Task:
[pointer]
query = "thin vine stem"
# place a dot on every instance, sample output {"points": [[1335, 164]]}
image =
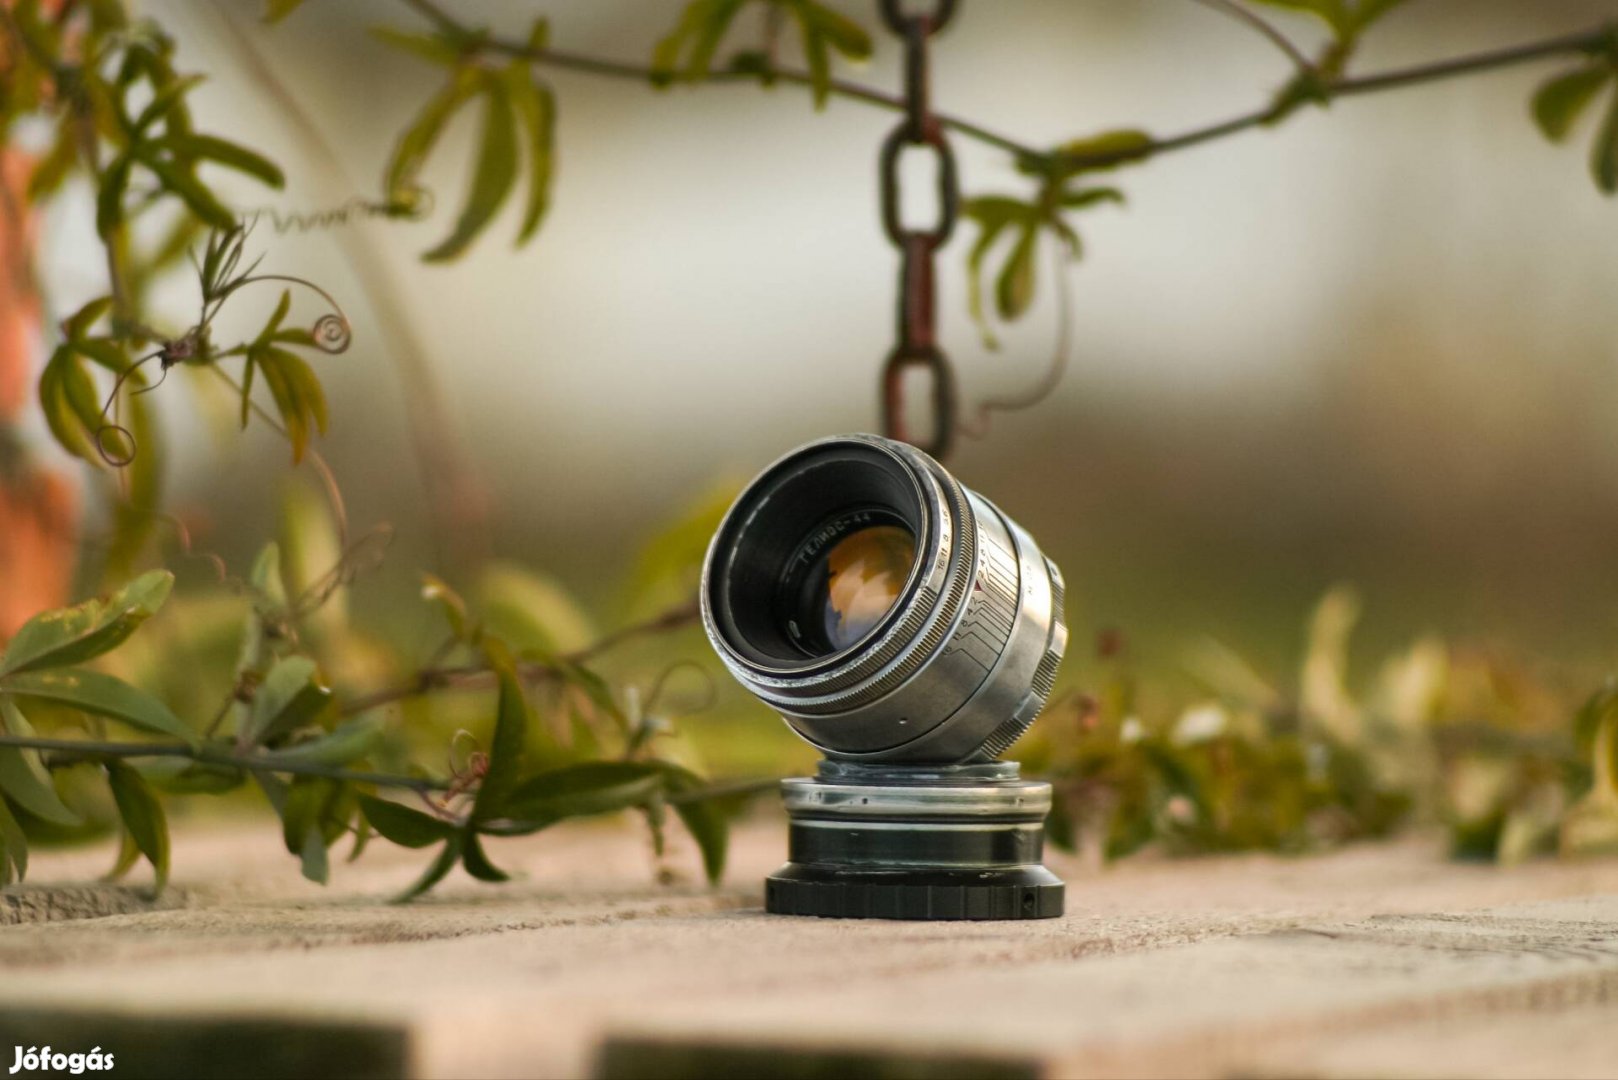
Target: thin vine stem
{"points": [[1492, 60], [594, 65], [1252, 19], [1489, 60], [439, 677], [74, 751]]}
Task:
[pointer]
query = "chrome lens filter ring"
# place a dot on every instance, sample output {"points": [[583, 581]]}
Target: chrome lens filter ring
{"points": [[961, 662]]}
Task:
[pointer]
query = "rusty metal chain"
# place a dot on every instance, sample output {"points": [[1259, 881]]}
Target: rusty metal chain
{"points": [[917, 345]]}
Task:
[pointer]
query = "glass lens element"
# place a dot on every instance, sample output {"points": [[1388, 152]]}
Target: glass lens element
{"points": [[865, 573]]}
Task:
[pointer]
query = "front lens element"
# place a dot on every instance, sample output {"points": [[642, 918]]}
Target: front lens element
{"points": [[863, 576]]}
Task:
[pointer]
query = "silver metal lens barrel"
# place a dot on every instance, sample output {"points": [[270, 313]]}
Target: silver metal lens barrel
{"points": [[963, 659]]}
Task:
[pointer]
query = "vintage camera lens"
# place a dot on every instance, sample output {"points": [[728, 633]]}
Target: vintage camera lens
{"points": [[910, 631], [888, 613]]}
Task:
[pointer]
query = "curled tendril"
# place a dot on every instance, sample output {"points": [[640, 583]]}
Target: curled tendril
{"points": [[111, 430], [332, 333], [412, 205], [106, 436], [360, 557], [710, 691], [978, 426]]}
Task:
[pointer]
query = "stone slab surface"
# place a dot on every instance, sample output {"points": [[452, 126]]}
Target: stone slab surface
{"points": [[1378, 960]]}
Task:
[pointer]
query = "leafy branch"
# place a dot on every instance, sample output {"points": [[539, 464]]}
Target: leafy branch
{"points": [[1010, 226], [307, 755]]}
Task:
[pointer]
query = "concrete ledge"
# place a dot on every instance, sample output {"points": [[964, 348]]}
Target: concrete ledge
{"points": [[1374, 959]]}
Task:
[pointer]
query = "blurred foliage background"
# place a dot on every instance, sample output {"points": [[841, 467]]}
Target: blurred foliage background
{"points": [[1374, 345]]}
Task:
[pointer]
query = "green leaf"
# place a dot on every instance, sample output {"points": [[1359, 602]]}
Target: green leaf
{"points": [[67, 396], [181, 181], [1590, 826], [1560, 101], [535, 108], [477, 863], [299, 397], [1112, 148], [305, 814], [72, 635], [110, 195], [506, 746], [428, 47], [13, 848], [493, 175], [403, 825], [348, 743], [592, 787], [314, 860], [143, 816], [23, 778], [411, 150], [128, 856], [824, 29], [993, 214], [229, 154], [445, 861], [1604, 154], [531, 610], [290, 696], [704, 819], [78, 324], [166, 100], [461, 624], [101, 694], [701, 27], [177, 776], [1082, 197], [276, 10], [1014, 288]]}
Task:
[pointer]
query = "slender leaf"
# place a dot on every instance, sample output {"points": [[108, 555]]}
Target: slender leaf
{"points": [[1014, 288], [1604, 154], [428, 47], [477, 863], [23, 778], [143, 816], [193, 192], [100, 694], [13, 848], [441, 865], [403, 825], [349, 743], [704, 819], [72, 635], [505, 748], [416, 143], [592, 787], [493, 175], [229, 154], [290, 696], [535, 108], [1113, 148], [1560, 101], [78, 324]]}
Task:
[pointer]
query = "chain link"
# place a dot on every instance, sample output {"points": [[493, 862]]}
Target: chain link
{"points": [[917, 346]]}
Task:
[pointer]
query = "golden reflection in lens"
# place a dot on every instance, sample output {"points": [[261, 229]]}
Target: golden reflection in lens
{"points": [[866, 574]]}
